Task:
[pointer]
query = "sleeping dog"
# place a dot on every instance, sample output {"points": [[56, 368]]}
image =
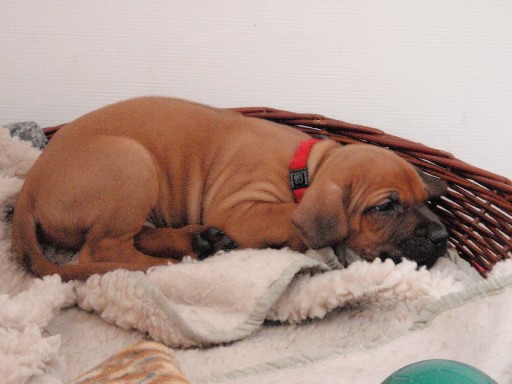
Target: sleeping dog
{"points": [[211, 179]]}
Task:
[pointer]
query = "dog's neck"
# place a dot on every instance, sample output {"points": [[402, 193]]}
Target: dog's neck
{"points": [[319, 154], [309, 155], [299, 174]]}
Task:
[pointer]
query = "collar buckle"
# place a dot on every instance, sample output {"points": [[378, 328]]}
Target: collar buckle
{"points": [[299, 179]]}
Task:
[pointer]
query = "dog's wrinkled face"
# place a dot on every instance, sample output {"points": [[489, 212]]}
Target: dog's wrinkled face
{"points": [[376, 206], [395, 229]]}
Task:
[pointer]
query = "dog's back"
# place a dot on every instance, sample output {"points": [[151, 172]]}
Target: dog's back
{"points": [[209, 153]]}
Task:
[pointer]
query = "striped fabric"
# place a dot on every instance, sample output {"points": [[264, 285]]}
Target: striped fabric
{"points": [[145, 362]]}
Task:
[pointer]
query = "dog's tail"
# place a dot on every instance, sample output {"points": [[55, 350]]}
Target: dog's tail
{"points": [[25, 241], [26, 246]]}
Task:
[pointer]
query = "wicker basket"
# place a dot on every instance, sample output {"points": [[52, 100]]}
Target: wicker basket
{"points": [[477, 209]]}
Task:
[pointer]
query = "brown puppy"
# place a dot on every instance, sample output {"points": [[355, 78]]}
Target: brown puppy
{"points": [[187, 167]]}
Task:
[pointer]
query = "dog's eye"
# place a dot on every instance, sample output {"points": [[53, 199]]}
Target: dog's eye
{"points": [[386, 206]]}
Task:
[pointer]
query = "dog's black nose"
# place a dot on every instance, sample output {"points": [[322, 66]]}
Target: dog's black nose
{"points": [[438, 234]]}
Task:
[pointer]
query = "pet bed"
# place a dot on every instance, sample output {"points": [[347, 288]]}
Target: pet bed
{"points": [[367, 311]]}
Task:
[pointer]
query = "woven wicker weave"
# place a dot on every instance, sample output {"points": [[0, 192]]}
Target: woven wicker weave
{"points": [[477, 209]]}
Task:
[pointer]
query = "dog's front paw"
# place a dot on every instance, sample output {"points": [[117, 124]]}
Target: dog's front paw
{"points": [[210, 241]]}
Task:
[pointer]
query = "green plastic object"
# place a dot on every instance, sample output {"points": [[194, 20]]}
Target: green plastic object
{"points": [[439, 372]]}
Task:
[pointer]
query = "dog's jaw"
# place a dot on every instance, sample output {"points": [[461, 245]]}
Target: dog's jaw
{"points": [[345, 255]]}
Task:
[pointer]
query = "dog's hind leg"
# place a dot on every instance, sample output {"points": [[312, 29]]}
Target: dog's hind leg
{"points": [[168, 242], [83, 271], [95, 203], [192, 240], [110, 254]]}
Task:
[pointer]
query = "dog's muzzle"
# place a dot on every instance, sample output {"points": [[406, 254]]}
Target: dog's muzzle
{"points": [[428, 243]]}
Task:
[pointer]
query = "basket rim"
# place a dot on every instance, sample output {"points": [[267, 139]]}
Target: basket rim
{"points": [[321, 122]]}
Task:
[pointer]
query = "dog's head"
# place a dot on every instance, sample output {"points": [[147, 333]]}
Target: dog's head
{"points": [[372, 201]]}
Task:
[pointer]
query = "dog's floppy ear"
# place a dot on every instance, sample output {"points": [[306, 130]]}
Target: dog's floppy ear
{"points": [[321, 216], [435, 186]]}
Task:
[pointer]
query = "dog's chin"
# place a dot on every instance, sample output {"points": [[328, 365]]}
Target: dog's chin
{"points": [[345, 255], [427, 262], [420, 250]]}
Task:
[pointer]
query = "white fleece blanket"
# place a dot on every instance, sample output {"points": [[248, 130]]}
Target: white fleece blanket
{"points": [[270, 300]]}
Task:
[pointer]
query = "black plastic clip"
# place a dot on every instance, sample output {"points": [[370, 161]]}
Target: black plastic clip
{"points": [[299, 179]]}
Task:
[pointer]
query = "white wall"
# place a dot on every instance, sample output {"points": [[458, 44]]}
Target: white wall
{"points": [[438, 72]]}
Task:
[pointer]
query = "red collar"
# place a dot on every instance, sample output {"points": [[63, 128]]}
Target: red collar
{"points": [[299, 179]]}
